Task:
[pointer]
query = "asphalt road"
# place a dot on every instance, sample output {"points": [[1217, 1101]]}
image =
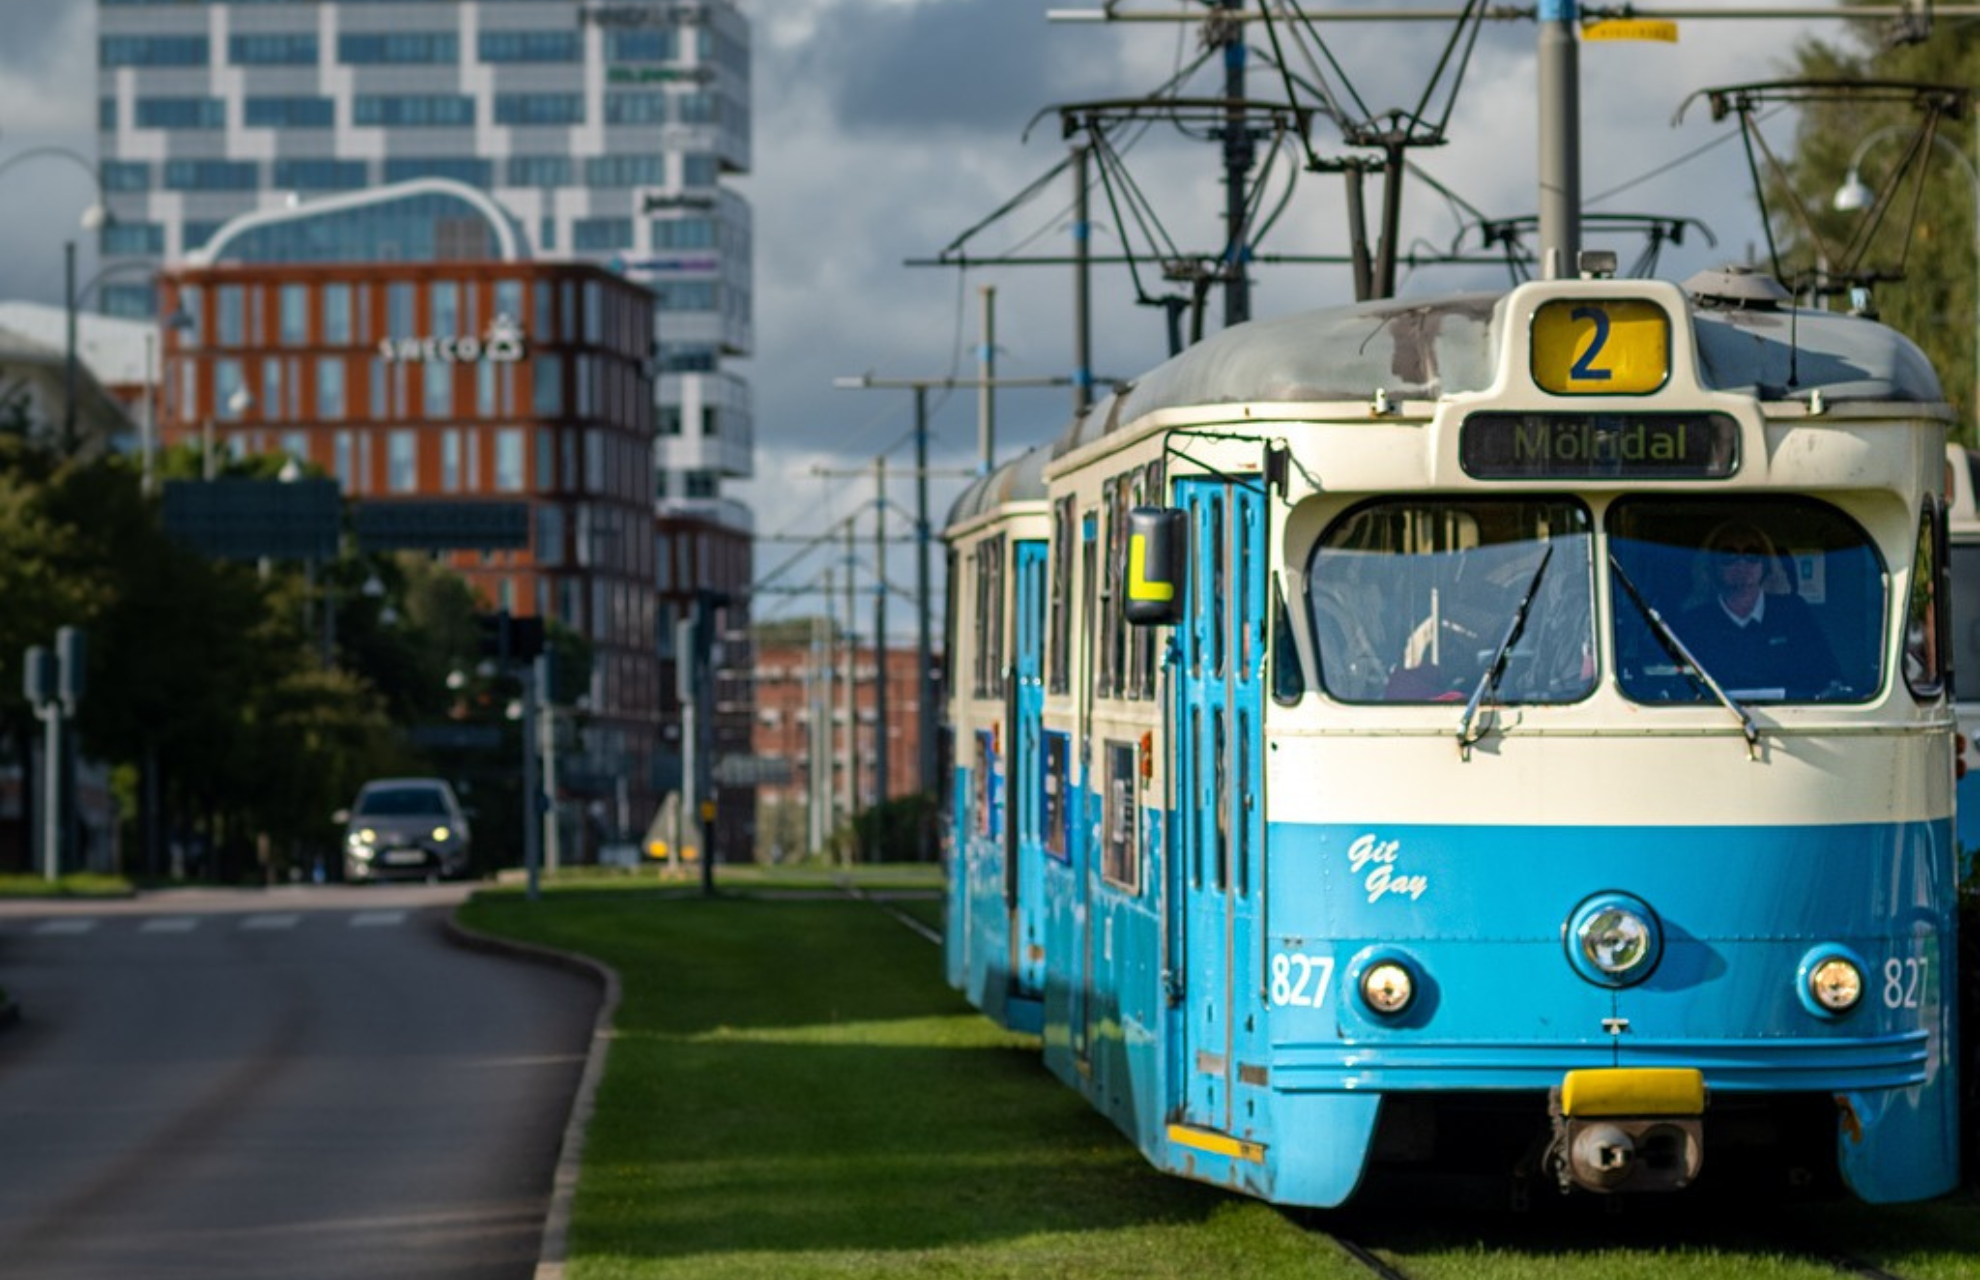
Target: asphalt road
{"points": [[281, 1085]]}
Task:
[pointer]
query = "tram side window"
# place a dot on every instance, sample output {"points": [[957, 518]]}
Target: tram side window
{"points": [[990, 618], [1058, 651], [1778, 599], [1924, 632], [1058, 777], [1412, 598], [1118, 859], [980, 785]]}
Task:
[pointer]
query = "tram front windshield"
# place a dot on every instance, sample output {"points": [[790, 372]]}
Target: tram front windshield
{"points": [[1417, 600], [1778, 600], [1420, 600]]}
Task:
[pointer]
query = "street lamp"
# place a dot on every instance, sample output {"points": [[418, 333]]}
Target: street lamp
{"points": [[1855, 196]]}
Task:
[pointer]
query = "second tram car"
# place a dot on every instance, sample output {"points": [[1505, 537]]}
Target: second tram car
{"points": [[1487, 733]]}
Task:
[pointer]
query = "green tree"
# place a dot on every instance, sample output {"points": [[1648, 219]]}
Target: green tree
{"points": [[1937, 300]]}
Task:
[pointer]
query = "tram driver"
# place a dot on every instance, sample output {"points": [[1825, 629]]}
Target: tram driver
{"points": [[1753, 632]]}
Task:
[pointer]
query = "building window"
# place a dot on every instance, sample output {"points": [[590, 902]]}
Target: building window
{"points": [[444, 302], [106, 114], [509, 460], [138, 239], [689, 295], [697, 108], [263, 112], [336, 315], [400, 110], [641, 44], [230, 301], [402, 462], [399, 309], [531, 46], [212, 175], [379, 401], [293, 324], [628, 107], [181, 113], [699, 171], [439, 379], [684, 233], [227, 385], [549, 401], [126, 175], [271, 389], [484, 389], [538, 171], [153, 51], [272, 50], [597, 235], [400, 47], [539, 108], [625, 171], [195, 232], [322, 175], [330, 388], [475, 173], [550, 536], [341, 459], [450, 460]]}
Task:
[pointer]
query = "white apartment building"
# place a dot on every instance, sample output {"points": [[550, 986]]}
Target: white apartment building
{"points": [[606, 128]]}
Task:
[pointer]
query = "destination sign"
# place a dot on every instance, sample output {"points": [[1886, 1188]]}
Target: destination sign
{"points": [[1497, 445]]}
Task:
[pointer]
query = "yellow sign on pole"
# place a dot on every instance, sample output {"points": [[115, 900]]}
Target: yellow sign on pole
{"points": [[1632, 29]]}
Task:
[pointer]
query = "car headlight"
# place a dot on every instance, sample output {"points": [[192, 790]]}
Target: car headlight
{"points": [[442, 835], [1835, 983], [364, 837], [1387, 987]]}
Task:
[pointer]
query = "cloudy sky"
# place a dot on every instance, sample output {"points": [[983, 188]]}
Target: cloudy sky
{"points": [[886, 128]]}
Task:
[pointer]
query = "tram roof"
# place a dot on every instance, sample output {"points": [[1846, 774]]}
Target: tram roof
{"points": [[1022, 479], [1422, 349]]}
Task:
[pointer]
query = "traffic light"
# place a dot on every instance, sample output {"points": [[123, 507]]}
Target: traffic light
{"points": [[506, 639]]}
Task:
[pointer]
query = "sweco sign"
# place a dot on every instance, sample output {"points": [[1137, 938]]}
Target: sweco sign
{"points": [[502, 344]]}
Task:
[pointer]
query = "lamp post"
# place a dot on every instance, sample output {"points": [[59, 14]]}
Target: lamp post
{"points": [[1854, 196]]}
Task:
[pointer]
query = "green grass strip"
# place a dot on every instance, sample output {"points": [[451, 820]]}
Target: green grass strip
{"points": [[793, 1091]]}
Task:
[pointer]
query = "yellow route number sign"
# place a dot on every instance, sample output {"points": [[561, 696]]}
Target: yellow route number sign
{"points": [[1601, 347], [1632, 29]]}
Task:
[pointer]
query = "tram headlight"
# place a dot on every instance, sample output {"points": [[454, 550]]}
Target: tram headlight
{"points": [[1387, 987], [1836, 984], [1616, 940], [1613, 939]]}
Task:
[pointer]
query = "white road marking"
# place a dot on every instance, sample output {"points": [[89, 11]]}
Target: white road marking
{"points": [[70, 927], [377, 919], [271, 922], [169, 924]]}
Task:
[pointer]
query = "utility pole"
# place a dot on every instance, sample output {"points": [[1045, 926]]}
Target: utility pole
{"points": [[1227, 28], [926, 693], [546, 727], [1082, 232], [851, 790], [532, 787], [1560, 140], [986, 384], [818, 789], [880, 762]]}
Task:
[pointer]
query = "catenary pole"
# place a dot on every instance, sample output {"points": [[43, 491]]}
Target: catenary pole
{"points": [[1560, 140]]}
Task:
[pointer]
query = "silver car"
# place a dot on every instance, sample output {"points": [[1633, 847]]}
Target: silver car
{"points": [[405, 827]]}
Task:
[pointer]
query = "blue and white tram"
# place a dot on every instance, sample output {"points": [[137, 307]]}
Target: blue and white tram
{"points": [[1491, 732]]}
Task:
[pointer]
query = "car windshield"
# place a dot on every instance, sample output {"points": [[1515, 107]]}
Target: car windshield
{"points": [[1414, 599], [402, 802], [1778, 600]]}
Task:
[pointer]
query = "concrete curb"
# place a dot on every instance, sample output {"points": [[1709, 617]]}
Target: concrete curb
{"points": [[554, 1250]]}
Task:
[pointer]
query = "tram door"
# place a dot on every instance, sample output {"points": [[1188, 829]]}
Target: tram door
{"points": [[1219, 745], [1024, 861]]}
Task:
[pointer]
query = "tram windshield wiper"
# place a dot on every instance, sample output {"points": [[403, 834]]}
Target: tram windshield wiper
{"points": [[1495, 670], [1675, 647]]}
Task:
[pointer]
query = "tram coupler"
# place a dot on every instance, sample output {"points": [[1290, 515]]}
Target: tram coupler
{"points": [[1628, 1130]]}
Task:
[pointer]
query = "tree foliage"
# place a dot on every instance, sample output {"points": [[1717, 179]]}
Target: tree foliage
{"points": [[1936, 301]]}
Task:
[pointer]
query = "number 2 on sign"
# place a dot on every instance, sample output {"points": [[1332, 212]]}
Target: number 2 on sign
{"points": [[1301, 980], [1585, 368]]}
